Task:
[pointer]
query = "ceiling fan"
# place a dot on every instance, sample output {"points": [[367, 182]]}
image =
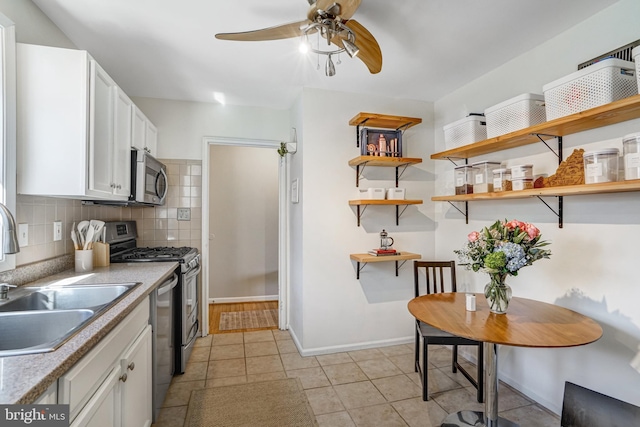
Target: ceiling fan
{"points": [[331, 20]]}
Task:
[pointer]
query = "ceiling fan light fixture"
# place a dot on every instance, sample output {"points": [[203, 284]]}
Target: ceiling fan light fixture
{"points": [[330, 68], [351, 48], [304, 46]]}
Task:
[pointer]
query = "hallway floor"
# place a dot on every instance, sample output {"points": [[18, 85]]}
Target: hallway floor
{"points": [[364, 388]]}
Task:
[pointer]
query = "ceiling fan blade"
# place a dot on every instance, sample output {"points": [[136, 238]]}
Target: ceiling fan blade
{"points": [[370, 52], [284, 31], [347, 8]]}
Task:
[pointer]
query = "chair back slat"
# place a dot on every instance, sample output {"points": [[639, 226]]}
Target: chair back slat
{"points": [[436, 278]]}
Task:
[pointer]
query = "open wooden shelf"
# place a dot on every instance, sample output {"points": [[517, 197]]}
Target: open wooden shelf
{"points": [[392, 162], [362, 202], [384, 121], [367, 258], [570, 190], [604, 115]]}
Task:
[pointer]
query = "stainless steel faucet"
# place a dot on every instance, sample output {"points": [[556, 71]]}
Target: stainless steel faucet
{"points": [[10, 234], [4, 290]]}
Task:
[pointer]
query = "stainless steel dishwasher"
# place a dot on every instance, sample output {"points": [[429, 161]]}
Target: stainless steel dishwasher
{"points": [[163, 323]]}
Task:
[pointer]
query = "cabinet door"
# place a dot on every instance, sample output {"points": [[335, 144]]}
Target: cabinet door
{"points": [[100, 131], [138, 138], [122, 145], [152, 139], [103, 409], [137, 389]]}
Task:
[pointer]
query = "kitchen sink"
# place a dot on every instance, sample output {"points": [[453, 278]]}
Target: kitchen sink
{"points": [[93, 297], [26, 332], [38, 320]]}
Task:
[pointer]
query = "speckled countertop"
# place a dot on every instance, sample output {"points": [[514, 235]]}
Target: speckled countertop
{"points": [[24, 378]]}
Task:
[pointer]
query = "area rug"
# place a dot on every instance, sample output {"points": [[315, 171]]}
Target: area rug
{"points": [[281, 403], [253, 319]]}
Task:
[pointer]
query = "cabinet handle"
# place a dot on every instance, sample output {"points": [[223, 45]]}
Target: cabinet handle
{"points": [[112, 185], [131, 366], [123, 377], [118, 186]]}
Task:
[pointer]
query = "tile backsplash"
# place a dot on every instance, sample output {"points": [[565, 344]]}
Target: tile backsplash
{"points": [[157, 226]]}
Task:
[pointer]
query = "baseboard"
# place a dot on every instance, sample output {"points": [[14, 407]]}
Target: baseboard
{"points": [[347, 347], [243, 299]]}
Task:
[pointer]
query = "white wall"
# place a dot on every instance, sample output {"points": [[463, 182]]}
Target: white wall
{"points": [[338, 311], [33, 26], [243, 217], [593, 266], [183, 124]]}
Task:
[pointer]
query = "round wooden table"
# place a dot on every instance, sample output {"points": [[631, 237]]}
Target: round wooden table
{"points": [[528, 323]]}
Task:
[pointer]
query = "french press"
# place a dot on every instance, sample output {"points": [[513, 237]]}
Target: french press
{"points": [[385, 241]]}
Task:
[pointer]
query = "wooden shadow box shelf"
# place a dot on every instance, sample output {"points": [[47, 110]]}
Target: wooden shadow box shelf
{"points": [[397, 203]]}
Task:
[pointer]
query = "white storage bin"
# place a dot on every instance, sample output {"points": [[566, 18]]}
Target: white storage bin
{"points": [[371, 193], [635, 54], [601, 165], [598, 84], [514, 114], [465, 131], [396, 193]]}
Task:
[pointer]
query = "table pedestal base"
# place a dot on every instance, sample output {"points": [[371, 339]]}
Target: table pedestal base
{"points": [[474, 418]]}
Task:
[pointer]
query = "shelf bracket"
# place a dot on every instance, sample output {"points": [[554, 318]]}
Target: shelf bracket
{"points": [[359, 269], [360, 172], [398, 267], [360, 210], [358, 126], [559, 213], [399, 213], [465, 213], [399, 174], [558, 153]]}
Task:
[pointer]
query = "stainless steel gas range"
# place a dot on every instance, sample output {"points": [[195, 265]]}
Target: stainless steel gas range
{"points": [[121, 236]]}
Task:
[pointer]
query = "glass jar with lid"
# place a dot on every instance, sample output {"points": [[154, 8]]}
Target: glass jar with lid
{"points": [[483, 176], [631, 151], [601, 165], [502, 179], [464, 179]]}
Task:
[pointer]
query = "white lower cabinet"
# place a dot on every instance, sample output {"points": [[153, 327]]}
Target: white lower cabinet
{"points": [[111, 385]]}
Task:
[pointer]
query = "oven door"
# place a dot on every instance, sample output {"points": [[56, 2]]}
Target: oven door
{"points": [[151, 180], [190, 324]]}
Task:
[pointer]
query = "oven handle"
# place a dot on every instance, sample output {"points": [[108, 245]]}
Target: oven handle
{"points": [[195, 272], [196, 325], [168, 285]]}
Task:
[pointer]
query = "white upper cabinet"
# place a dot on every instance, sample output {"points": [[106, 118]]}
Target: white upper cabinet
{"points": [[75, 126], [145, 134]]}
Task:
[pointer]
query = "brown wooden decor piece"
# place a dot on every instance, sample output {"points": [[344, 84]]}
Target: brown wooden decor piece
{"points": [[570, 172]]}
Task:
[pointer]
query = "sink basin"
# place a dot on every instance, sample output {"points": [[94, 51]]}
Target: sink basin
{"points": [[38, 320], [93, 297], [26, 332]]}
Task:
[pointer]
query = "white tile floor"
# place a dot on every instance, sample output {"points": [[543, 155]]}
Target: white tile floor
{"points": [[364, 388]]}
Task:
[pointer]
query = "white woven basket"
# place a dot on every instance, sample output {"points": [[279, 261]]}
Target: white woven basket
{"points": [[465, 131], [514, 114], [598, 84]]}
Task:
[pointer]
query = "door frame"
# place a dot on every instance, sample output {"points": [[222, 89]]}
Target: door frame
{"points": [[283, 224]]}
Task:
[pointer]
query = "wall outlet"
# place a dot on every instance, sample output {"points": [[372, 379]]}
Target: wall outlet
{"points": [[23, 235], [57, 230], [184, 214]]}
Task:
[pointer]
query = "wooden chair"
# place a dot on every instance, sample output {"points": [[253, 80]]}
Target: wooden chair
{"points": [[436, 281]]}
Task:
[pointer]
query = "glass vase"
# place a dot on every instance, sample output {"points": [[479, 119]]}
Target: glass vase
{"points": [[498, 294]]}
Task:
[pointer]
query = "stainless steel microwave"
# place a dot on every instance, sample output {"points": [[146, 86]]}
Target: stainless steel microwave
{"points": [[149, 183]]}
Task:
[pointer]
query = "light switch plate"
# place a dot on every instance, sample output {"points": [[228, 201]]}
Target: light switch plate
{"points": [[23, 235], [57, 230], [184, 214]]}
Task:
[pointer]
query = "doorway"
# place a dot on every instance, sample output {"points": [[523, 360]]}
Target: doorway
{"points": [[244, 224]]}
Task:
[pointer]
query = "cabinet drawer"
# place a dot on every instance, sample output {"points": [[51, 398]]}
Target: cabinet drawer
{"points": [[78, 385]]}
